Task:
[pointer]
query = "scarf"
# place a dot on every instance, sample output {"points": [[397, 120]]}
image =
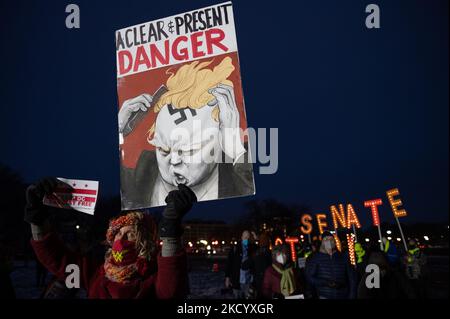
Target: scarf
{"points": [[125, 274], [287, 282]]}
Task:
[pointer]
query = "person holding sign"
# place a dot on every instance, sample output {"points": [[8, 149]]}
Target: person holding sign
{"points": [[132, 267]]}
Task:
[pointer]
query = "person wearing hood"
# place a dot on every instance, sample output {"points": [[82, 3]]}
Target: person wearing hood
{"points": [[281, 279], [393, 284], [329, 272], [133, 266]]}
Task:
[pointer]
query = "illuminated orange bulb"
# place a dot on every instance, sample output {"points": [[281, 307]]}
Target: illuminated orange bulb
{"points": [[292, 242], [351, 249], [373, 204], [351, 217], [395, 203]]}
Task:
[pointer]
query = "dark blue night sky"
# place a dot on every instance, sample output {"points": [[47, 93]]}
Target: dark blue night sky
{"points": [[359, 111]]}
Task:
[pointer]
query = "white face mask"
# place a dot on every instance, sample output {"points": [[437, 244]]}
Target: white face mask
{"points": [[329, 245], [281, 258]]}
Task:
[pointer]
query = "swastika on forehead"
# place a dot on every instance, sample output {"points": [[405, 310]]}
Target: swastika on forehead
{"points": [[182, 112]]}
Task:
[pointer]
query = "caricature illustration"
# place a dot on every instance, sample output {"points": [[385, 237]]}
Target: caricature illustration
{"points": [[183, 123]]}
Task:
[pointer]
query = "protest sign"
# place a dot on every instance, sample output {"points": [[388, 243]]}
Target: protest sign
{"points": [[181, 109], [80, 195]]}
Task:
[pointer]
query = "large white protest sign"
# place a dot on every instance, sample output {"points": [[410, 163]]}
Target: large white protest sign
{"points": [[181, 109], [80, 195]]}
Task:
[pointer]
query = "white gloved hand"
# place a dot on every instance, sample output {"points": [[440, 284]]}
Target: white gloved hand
{"points": [[141, 102], [230, 136]]}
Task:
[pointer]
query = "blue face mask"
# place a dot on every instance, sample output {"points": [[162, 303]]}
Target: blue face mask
{"points": [[245, 242]]}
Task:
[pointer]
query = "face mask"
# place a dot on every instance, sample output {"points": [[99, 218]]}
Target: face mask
{"points": [[281, 258], [123, 252], [245, 242], [328, 245]]}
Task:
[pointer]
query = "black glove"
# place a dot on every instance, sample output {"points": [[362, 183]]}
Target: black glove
{"points": [[35, 212], [179, 202]]}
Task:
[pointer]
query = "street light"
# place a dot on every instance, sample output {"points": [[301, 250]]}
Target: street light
{"points": [[388, 232], [367, 240], [426, 238]]}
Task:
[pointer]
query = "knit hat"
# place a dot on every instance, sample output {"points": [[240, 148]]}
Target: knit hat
{"points": [[133, 218]]}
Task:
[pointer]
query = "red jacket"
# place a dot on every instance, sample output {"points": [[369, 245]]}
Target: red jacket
{"points": [[271, 284], [170, 280]]}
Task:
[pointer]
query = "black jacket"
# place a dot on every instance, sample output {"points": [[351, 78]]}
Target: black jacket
{"points": [[234, 263], [262, 260], [322, 269]]}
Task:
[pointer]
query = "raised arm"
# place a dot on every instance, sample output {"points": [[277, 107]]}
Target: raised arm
{"points": [[172, 278], [49, 249]]}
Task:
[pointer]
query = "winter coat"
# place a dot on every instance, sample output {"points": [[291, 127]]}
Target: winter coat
{"points": [[321, 269], [234, 263], [169, 280], [392, 255], [271, 284], [261, 261], [415, 262]]}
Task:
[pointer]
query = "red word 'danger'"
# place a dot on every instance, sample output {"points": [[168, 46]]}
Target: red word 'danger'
{"points": [[150, 56]]}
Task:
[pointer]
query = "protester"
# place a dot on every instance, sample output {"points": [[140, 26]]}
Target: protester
{"points": [[262, 260], [330, 272], [392, 253], [132, 267], [281, 279], [415, 262], [239, 269], [315, 246], [305, 255], [307, 251], [393, 284], [361, 260]]}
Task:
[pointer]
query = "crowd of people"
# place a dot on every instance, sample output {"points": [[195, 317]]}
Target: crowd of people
{"points": [[136, 266], [257, 270]]}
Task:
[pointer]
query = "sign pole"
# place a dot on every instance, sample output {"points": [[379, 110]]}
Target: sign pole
{"points": [[354, 232], [381, 238], [401, 233]]}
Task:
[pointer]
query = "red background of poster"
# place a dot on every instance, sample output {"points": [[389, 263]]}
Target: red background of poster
{"points": [[148, 82]]}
